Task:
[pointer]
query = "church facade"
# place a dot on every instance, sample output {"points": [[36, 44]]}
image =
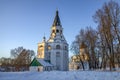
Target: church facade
{"points": [[55, 49]]}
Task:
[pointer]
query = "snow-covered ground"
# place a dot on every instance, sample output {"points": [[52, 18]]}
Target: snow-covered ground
{"points": [[61, 75]]}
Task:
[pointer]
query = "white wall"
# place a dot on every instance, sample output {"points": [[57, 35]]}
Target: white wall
{"points": [[35, 68]]}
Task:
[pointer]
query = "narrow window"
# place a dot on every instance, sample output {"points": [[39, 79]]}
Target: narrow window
{"points": [[53, 31], [57, 31], [61, 31], [57, 46], [65, 47]]}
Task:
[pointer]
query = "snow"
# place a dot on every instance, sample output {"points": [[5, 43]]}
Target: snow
{"points": [[44, 63], [61, 75]]}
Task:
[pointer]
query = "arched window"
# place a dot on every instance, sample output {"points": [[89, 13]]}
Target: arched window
{"points": [[57, 46], [65, 47], [40, 46], [49, 47], [57, 31], [53, 31]]}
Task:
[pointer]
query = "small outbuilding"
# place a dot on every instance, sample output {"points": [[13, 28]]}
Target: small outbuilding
{"points": [[40, 65]]}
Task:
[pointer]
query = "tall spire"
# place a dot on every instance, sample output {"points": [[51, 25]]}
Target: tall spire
{"points": [[56, 20]]}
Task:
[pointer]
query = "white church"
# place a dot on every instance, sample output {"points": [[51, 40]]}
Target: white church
{"points": [[53, 53]]}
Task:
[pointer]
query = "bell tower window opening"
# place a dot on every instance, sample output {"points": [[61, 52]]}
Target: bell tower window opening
{"points": [[53, 31], [57, 31], [57, 46]]}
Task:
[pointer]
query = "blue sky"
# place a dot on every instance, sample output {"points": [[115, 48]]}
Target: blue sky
{"points": [[24, 22]]}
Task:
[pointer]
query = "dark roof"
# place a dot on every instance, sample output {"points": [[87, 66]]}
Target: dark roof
{"points": [[35, 63], [56, 20]]}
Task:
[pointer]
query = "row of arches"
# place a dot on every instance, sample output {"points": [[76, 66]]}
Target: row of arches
{"points": [[57, 31], [57, 47]]}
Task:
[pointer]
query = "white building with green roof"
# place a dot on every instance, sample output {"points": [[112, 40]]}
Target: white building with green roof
{"points": [[40, 65]]}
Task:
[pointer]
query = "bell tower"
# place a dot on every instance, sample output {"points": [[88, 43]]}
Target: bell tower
{"points": [[56, 29], [55, 49], [59, 45]]}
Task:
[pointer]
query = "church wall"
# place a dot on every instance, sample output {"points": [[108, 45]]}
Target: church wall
{"points": [[62, 59], [58, 54], [36, 68]]}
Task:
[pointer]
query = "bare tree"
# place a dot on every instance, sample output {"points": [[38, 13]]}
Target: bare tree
{"points": [[89, 37], [91, 41], [15, 52], [108, 19], [103, 44], [22, 57]]}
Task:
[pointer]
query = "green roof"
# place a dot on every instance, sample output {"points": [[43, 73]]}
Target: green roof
{"points": [[35, 63]]}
